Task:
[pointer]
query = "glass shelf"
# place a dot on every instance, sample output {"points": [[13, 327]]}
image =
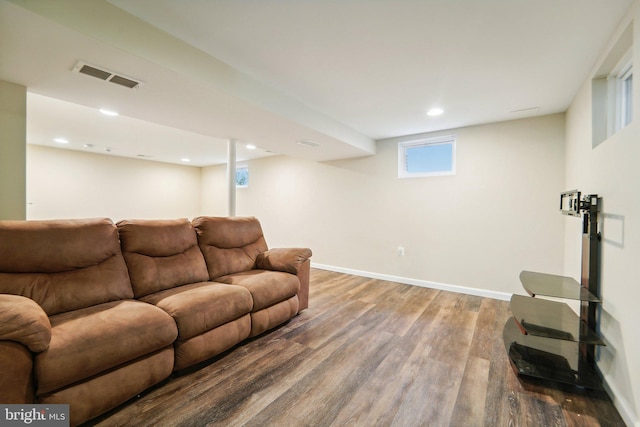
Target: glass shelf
{"points": [[543, 358], [555, 286], [551, 319]]}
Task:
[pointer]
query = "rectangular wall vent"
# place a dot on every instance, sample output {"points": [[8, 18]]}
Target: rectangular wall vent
{"points": [[108, 76], [307, 143]]}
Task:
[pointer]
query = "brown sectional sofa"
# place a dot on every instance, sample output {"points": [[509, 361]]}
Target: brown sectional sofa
{"points": [[93, 313]]}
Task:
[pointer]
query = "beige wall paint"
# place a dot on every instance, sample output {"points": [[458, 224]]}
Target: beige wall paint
{"points": [[73, 184], [213, 195], [497, 216], [612, 171], [13, 131]]}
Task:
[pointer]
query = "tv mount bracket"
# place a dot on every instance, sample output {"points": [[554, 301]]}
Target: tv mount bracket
{"points": [[572, 203], [587, 206]]}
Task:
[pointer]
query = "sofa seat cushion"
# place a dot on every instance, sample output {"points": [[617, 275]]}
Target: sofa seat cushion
{"points": [[92, 340], [200, 307], [267, 287]]}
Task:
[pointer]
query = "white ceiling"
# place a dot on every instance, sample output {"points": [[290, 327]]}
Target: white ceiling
{"points": [[273, 72]]}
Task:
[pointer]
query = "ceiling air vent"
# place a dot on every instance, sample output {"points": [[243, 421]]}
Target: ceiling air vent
{"points": [[105, 75], [307, 143]]}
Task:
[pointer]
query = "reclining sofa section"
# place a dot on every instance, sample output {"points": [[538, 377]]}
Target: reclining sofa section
{"points": [[91, 313]]}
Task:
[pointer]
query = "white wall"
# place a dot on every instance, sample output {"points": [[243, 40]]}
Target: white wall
{"points": [[213, 194], [612, 171], [497, 216], [74, 184]]}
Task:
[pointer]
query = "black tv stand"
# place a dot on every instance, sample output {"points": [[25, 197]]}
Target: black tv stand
{"points": [[546, 339]]}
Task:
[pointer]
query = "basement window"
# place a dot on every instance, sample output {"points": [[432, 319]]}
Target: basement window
{"points": [[242, 176], [427, 157], [612, 90]]}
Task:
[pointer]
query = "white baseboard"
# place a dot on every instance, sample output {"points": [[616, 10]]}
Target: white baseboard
{"points": [[417, 282], [628, 415], [621, 405]]}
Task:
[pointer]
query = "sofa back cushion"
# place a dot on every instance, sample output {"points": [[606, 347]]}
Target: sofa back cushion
{"points": [[161, 254], [229, 244], [63, 265]]}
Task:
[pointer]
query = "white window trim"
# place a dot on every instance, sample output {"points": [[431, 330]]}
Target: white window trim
{"points": [[617, 98], [622, 81], [402, 147]]}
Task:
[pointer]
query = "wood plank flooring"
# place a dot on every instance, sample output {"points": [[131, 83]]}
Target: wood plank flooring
{"points": [[369, 353]]}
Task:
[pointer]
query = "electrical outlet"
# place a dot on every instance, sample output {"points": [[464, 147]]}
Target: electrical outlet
{"points": [[400, 250]]}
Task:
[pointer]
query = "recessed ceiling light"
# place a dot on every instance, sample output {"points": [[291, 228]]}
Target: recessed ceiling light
{"points": [[250, 147], [108, 112], [435, 112], [184, 159], [61, 140], [88, 145]]}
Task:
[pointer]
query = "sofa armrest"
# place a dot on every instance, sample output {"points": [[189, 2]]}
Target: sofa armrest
{"points": [[291, 260], [16, 373], [24, 321], [288, 260]]}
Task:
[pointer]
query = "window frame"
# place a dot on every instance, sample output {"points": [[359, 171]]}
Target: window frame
{"points": [[423, 142], [620, 99], [625, 94]]}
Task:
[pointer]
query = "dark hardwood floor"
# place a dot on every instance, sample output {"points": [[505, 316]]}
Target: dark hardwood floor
{"points": [[369, 353]]}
